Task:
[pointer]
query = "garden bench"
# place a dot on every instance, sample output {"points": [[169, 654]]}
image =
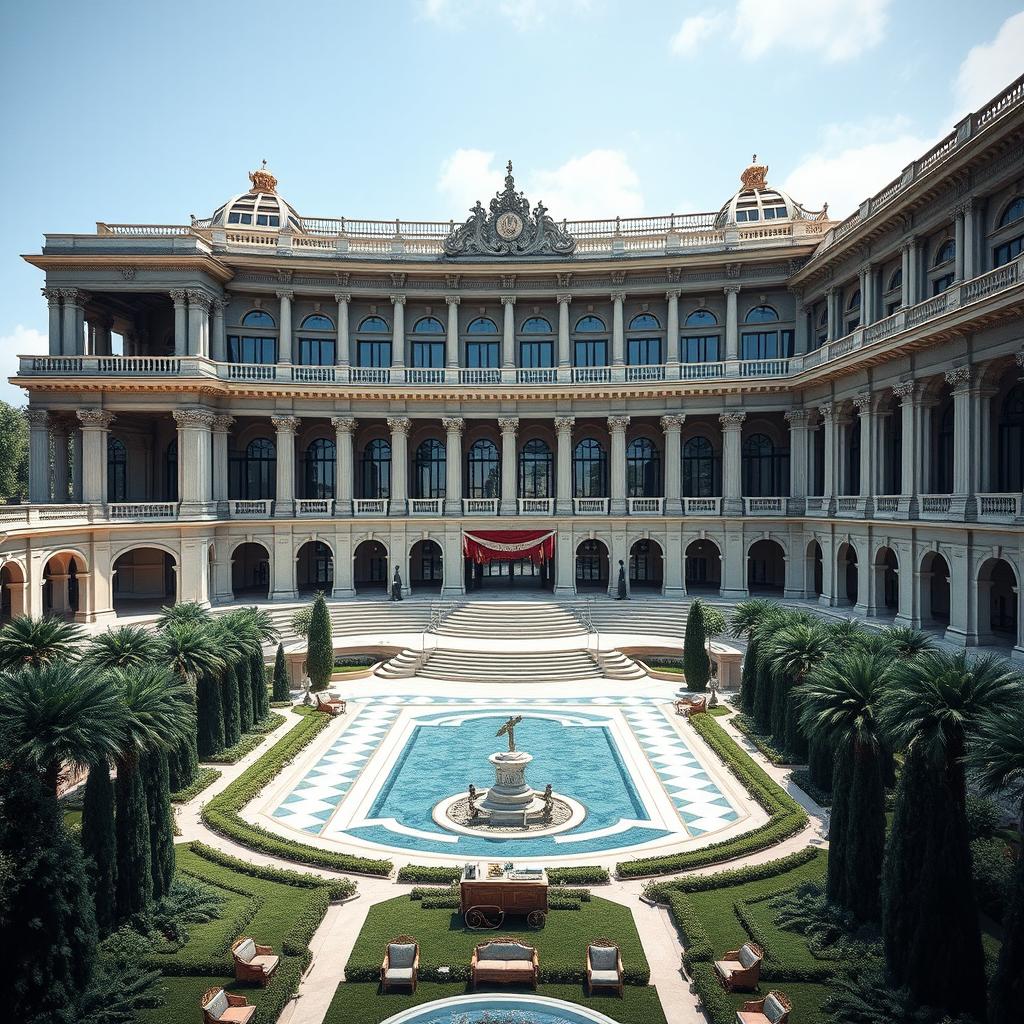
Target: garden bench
{"points": [[330, 705], [253, 962], [401, 963], [504, 961], [740, 969], [219, 1005], [604, 966], [773, 1009], [687, 706]]}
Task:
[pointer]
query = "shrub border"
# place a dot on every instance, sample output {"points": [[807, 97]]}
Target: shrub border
{"points": [[206, 776]]}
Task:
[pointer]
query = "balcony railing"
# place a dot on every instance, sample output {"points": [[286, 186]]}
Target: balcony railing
{"points": [[536, 506], [369, 375], [314, 506], [142, 510], [646, 506], [591, 374], [635, 373], [590, 506], [770, 506], [816, 505], [370, 506], [702, 506], [887, 504], [999, 506], [479, 506], [426, 506], [538, 375], [936, 506], [250, 508]]}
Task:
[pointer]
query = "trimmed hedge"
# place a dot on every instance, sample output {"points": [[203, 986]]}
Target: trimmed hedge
{"points": [[341, 888], [787, 816], [204, 777], [233, 754], [222, 812], [735, 876], [268, 724], [429, 873], [432, 874], [585, 874], [762, 741]]}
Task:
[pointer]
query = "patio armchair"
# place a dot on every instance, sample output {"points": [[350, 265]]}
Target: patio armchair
{"points": [[604, 966], [218, 1005], [739, 970], [401, 963], [330, 705], [773, 1009], [253, 962], [505, 961], [688, 706]]}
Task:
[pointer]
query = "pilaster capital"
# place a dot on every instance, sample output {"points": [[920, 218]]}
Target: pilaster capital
{"points": [[222, 423], [508, 424], [344, 424], [199, 298], [731, 289], [563, 298], [672, 294], [285, 294], [74, 295], [285, 424], [618, 424], [959, 378], [399, 425], [95, 419], [1019, 358], [508, 300], [732, 420], [564, 424], [220, 304], [906, 389], [398, 299], [343, 298], [453, 300], [827, 410], [618, 297], [797, 418], [672, 422], [862, 402], [193, 417], [453, 424], [38, 419], [52, 295], [178, 296], [865, 268]]}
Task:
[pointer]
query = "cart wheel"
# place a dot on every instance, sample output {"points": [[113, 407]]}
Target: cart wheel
{"points": [[484, 918], [536, 918]]}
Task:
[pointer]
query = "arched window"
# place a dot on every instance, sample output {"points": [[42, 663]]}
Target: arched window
{"points": [[428, 479], [765, 467], [590, 324], [317, 322], [702, 318], [699, 468], [320, 464], [258, 318], [945, 253], [535, 465], [374, 325], [702, 347], [252, 474], [482, 325], [316, 351], [483, 470], [590, 469], [171, 471], [896, 281], [761, 315], [376, 469], [428, 325], [853, 311], [643, 469], [536, 325], [854, 302], [644, 322], [373, 352], [1010, 469], [1011, 248], [590, 350], [482, 348], [1013, 212], [117, 470]]}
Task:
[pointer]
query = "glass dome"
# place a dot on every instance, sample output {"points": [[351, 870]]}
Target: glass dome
{"points": [[261, 207], [757, 202]]}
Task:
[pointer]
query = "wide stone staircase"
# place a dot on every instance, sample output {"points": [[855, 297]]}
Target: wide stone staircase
{"points": [[369, 618], [660, 618], [508, 667], [511, 620]]}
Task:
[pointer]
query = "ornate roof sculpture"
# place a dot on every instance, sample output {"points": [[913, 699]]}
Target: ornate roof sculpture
{"points": [[261, 207], [509, 228], [757, 201]]}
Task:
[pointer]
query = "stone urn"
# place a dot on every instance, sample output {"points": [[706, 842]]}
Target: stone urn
{"points": [[510, 800]]}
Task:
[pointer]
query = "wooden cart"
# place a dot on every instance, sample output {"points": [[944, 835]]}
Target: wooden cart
{"points": [[490, 892]]}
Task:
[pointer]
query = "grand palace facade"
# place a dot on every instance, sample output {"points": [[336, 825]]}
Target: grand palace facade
{"points": [[258, 404]]}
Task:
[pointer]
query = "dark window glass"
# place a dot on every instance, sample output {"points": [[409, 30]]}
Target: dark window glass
{"points": [[943, 454], [590, 469], [535, 468], [644, 351], [699, 350], [643, 469], [317, 351], [482, 355], [591, 352], [257, 318], [700, 469], [644, 322], [701, 318], [317, 322], [590, 323], [428, 479], [252, 474], [1010, 441], [320, 462], [483, 470], [428, 325], [482, 325], [376, 469], [946, 253], [374, 325], [171, 471], [765, 467], [761, 315], [940, 284], [536, 354], [117, 470], [428, 354], [536, 325], [373, 353], [1013, 212], [591, 564], [766, 344], [896, 281], [251, 350], [1002, 254]]}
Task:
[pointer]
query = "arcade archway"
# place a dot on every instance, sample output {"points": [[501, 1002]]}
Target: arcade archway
{"points": [[145, 579]]}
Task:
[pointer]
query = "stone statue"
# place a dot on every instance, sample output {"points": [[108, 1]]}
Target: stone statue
{"points": [[623, 592], [473, 810], [549, 802], [509, 730], [396, 586]]}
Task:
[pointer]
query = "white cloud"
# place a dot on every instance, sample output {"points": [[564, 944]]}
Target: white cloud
{"points": [[600, 183], [22, 341], [523, 15], [990, 67], [835, 29], [693, 32]]}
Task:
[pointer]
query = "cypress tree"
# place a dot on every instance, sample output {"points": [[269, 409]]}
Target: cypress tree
{"points": [[232, 722], [134, 854], [155, 778], [796, 742], [838, 828], [865, 839], [99, 843], [696, 664], [281, 684], [209, 716], [1006, 995], [319, 646], [183, 762], [48, 938], [781, 694], [258, 680], [764, 691], [748, 681], [245, 708], [820, 764]]}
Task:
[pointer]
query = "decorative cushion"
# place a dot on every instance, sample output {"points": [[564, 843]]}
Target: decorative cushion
{"points": [[238, 1014], [773, 1009], [246, 951], [398, 974], [604, 958], [401, 954], [217, 1005], [506, 951], [267, 962], [726, 968], [747, 956], [604, 977]]}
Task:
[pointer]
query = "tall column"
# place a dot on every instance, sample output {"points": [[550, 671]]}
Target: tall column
{"points": [[799, 458], [509, 425], [398, 332], [38, 456], [95, 428], [563, 465], [344, 429], [732, 477], [967, 444], [843, 426], [618, 331], [832, 331], [828, 484], [222, 425], [911, 272], [399, 427], [71, 335], [508, 334], [180, 321], [958, 237], [195, 457], [732, 335], [61, 460], [52, 296], [868, 442], [617, 474], [284, 503], [800, 342], [564, 350], [451, 348], [76, 465], [343, 355], [909, 395], [672, 325], [673, 428], [198, 322], [219, 341], [866, 296], [971, 233], [285, 329], [100, 328], [453, 426]]}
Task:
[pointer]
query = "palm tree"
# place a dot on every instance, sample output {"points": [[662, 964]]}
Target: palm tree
{"points": [[996, 762], [906, 643], [184, 611], [58, 715], [795, 651], [839, 704], [239, 638], [158, 717], [264, 632], [38, 642], [763, 674], [124, 647], [937, 702]]}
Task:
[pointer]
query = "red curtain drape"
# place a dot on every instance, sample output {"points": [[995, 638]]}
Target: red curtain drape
{"points": [[509, 545]]}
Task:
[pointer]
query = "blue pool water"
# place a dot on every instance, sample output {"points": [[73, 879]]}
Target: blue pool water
{"points": [[499, 1010], [580, 760]]}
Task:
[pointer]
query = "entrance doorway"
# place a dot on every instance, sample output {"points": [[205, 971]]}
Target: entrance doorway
{"points": [[509, 559]]}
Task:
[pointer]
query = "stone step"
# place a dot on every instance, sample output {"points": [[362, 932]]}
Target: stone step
{"points": [[496, 667], [616, 665], [496, 619], [401, 666]]}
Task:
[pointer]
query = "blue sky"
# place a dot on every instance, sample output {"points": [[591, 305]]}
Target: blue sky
{"points": [[146, 112]]}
